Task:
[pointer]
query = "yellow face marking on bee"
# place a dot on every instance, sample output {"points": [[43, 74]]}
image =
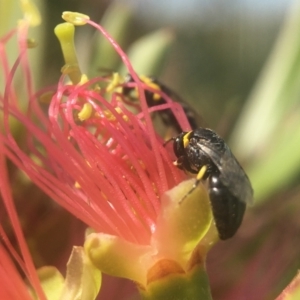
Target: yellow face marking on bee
{"points": [[186, 139]]}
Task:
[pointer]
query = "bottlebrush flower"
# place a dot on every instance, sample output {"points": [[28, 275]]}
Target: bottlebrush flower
{"points": [[103, 161]]}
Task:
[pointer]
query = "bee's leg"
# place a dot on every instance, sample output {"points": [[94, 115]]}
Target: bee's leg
{"points": [[199, 177]]}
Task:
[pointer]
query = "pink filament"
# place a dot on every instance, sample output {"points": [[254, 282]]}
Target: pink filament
{"points": [[120, 165]]}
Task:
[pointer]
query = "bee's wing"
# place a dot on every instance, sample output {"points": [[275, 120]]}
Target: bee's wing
{"points": [[232, 174]]}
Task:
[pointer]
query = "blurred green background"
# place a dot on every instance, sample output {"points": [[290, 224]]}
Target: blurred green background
{"points": [[218, 51]]}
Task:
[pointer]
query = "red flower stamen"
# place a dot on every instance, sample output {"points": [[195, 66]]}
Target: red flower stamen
{"points": [[109, 169]]}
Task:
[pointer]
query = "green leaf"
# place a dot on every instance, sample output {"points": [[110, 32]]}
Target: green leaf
{"points": [[277, 168], [116, 20], [148, 54], [275, 92]]}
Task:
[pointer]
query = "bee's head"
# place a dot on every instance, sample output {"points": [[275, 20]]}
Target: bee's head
{"points": [[178, 145]]}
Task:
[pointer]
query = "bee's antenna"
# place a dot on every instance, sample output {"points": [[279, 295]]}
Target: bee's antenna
{"points": [[169, 140]]}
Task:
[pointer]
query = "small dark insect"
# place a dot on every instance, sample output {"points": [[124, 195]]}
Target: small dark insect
{"points": [[204, 153], [153, 99]]}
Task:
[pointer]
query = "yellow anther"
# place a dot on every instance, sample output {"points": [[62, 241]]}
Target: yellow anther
{"points": [[109, 116], [145, 79], [65, 34], [119, 111], [77, 185], [186, 139], [75, 18], [119, 90], [84, 79], [85, 112], [97, 88], [156, 97], [201, 173], [149, 82], [31, 43], [31, 13], [116, 80], [154, 86]]}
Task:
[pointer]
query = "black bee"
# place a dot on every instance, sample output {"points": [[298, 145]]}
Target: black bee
{"points": [[154, 99], [204, 153]]}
